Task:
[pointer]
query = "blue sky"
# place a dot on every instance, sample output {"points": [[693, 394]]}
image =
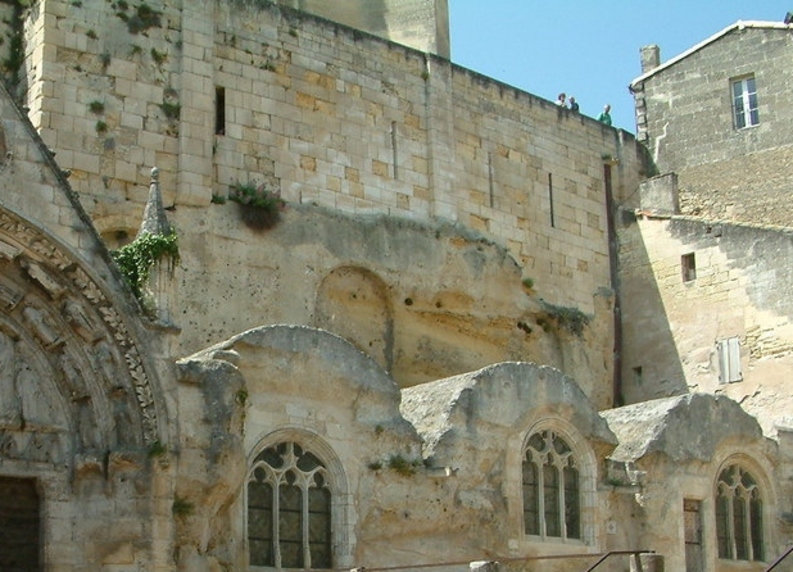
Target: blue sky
{"points": [[587, 49]]}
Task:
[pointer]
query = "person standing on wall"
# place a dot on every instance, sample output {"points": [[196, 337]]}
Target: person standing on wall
{"points": [[573, 104], [560, 101], [605, 117]]}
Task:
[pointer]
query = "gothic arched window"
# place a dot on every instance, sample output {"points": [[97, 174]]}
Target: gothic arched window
{"points": [[739, 515], [551, 491], [289, 509]]}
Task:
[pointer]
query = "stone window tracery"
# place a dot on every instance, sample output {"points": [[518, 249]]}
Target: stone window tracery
{"points": [[289, 509], [551, 490], [739, 515]]}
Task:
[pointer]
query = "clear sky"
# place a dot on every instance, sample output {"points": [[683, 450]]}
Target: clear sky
{"points": [[588, 49]]}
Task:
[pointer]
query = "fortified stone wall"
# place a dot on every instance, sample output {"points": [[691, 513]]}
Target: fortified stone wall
{"points": [[738, 288], [725, 173], [216, 94]]}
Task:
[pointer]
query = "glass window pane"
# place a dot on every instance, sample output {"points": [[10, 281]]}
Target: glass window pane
{"points": [[531, 499], [572, 507], [739, 528], [553, 525], [291, 554], [756, 508], [722, 527], [261, 552]]}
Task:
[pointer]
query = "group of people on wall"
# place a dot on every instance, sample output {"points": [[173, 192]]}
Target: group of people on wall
{"points": [[570, 103]]}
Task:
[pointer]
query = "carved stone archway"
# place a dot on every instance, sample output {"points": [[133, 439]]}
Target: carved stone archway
{"points": [[73, 380]]}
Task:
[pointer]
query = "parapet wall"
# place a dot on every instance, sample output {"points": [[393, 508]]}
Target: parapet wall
{"points": [[225, 92]]}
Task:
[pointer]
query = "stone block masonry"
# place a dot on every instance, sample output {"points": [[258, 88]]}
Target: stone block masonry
{"points": [[324, 114]]}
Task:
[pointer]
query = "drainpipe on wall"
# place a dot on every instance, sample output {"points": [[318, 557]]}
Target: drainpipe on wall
{"points": [[616, 397]]}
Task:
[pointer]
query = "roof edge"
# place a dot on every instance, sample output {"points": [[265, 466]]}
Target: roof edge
{"points": [[739, 25]]}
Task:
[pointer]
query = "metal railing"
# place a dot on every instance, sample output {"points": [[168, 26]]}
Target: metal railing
{"points": [[781, 557], [635, 553], [602, 557]]}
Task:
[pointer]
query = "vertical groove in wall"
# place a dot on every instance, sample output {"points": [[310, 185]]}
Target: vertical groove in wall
{"points": [[490, 177], [550, 198], [394, 149]]}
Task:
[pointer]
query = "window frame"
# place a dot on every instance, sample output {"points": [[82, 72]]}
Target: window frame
{"points": [[753, 522], [744, 103], [341, 504], [586, 463]]}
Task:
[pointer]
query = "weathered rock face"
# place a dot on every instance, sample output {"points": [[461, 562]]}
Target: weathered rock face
{"points": [[424, 300], [670, 460], [448, 492]]}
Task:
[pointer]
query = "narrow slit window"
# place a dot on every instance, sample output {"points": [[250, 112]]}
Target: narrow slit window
{"points": [[688, 265], [550, 198], [220, 111]]}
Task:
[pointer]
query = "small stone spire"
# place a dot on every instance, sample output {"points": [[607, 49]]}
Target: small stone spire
{"points": [[154, 220], [160, 290]]}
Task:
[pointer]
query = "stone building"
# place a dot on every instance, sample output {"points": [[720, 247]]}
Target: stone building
{"points": [[393, 334]]}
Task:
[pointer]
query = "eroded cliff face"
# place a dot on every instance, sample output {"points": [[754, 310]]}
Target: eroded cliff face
{"points": [[424, 300]]}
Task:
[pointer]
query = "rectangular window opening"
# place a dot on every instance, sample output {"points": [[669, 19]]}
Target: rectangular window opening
{"points": [[744, 102], [637, 375], [688, 266], [220, 111]]}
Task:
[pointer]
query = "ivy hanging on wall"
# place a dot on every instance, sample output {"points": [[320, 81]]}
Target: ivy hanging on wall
{"points": [[136, 258]]}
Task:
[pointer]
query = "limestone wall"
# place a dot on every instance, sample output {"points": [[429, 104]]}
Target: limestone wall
{"points": [[685, 115], [672, 326], [323, 114], [420, 24]]}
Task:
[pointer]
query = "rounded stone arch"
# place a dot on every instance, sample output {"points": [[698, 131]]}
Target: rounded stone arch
{"points": [[586, 461], [342, 503], [73, 355], [354, 303], [759, 469]]}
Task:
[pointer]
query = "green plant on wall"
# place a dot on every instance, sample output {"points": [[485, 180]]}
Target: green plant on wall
{"points": [[260, 209], [572, 320], [136, 258], [171, 110], [12, 63], [401, 466], [182, 507], [141, 19]]}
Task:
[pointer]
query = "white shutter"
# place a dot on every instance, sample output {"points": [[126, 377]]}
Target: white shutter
{"points": [[729, 356]]}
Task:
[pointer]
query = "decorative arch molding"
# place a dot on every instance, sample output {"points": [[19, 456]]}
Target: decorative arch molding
{"points": [[759, 469], [71, 371]]}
